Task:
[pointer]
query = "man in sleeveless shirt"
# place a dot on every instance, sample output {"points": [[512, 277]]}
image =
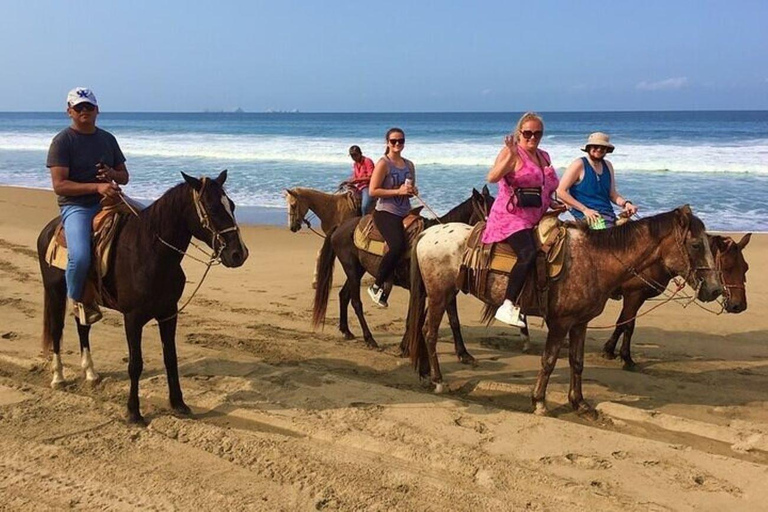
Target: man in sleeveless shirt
{"points": [[588, 186], [86, 165]]}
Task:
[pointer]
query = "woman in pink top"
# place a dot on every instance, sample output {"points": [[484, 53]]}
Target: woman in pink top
{"points": [[520, 165]]}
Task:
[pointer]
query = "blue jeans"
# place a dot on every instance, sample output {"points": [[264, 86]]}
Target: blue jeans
{"points": [[78, 224], [366, 200]]}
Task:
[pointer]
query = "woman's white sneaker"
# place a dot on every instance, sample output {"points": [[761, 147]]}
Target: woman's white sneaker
{"points": [[377, 296], [510, 314]]}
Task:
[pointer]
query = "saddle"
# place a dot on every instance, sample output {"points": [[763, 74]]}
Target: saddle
{"points": [[481, 260], [367, 237], [106, 225]]}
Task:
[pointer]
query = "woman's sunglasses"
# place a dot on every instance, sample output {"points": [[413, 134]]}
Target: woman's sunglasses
{"points": [[528, 134], [84, 106], [395, 142]]}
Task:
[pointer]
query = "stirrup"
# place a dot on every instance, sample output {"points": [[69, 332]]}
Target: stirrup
{"points": [[86, 314]]}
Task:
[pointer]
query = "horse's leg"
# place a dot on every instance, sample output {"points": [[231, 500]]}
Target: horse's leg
{"points": [[168, 337], [435, 311], [609, 349], [133, 328], [555, 338], [53, 328], [86, 362], [626, 355], [344, 298], [577, 337], [526, 335], [458, 340], [353, 278]]}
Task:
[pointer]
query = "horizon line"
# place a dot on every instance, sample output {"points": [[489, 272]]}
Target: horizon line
{"points": [[289, 112]]}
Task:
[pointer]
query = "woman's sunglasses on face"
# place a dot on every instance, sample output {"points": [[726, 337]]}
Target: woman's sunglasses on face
{"points": [[84, 106], [396, 142], [602, 149], [528, 134]]}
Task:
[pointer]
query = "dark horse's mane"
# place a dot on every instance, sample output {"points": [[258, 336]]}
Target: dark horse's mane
{"points": [[454, 215], [173, 200], [619, 237]]}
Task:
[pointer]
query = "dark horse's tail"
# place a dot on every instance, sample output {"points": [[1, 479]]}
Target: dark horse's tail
{"points": [[325, 264], [417, 346], [54, 290]]}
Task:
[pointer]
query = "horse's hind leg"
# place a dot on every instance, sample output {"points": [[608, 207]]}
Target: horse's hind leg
{"points": [[458, 340], [54, 311], [353, 279], [86, 362], [344, 298], [555, 338], [435, 311], [168, 338], [632, 304]]}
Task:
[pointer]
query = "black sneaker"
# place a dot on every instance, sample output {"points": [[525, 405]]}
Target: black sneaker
{"points": [[378, 296]]}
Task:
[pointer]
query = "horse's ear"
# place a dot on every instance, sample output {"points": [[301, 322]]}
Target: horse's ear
{"points": [[192, 182], [221, 178], [683, 215], [291, 193], [744, 241], [486, 192], [476, 195]]}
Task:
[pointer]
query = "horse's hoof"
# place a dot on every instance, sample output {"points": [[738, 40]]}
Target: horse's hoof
{"points": [[527, 349], [439, 388], [630, 365], [348, 335], [466, 358], [540, 409], [608, 355], [58, 383], [182, 409], [136, 419], [371, 343], [585, 410]]}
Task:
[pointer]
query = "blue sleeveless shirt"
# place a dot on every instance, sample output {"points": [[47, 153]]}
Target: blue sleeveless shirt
{"points": [[396, 176], [594, 191]]}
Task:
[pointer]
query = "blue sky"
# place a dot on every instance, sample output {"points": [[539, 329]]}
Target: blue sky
{"points": [[358, 56]]}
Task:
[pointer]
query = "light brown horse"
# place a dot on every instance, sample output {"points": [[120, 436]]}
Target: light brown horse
{"points": [[730, 264], [331, 209], [597, 262]]}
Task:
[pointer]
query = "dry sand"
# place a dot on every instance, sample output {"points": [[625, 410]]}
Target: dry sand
{"points": [[291, 419]]}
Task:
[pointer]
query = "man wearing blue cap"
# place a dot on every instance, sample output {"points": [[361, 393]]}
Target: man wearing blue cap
{"points": [[86, 165]]}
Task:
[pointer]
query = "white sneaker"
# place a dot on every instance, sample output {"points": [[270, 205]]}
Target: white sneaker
{"points": [[377, 295], [510, 314]]}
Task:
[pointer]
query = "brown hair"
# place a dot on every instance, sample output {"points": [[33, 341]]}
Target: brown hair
{"points": [[386, 137], [528, 116]]}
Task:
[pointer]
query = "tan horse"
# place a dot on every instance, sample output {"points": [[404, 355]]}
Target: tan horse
{"points": [[597, 262], [331, 209]]}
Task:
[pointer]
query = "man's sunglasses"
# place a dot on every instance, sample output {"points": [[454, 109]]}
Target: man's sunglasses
{"points": [[395, 142], [528, 134], [84, 106]]}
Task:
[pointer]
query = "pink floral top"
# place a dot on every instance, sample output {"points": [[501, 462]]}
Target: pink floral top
{"points": [[506, 217]]}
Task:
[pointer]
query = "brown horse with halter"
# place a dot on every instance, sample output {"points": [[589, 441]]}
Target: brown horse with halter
{"points": [[145, 278], [596, 263], [730, 265], [356, 262], [331, 209]]}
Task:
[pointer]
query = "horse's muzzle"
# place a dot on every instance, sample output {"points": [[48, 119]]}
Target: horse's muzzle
{"points": [[708, 293], [735, 307], [235, 257]]}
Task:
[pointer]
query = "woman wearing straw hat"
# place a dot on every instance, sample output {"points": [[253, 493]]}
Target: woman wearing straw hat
{"points": [[588, 186]]}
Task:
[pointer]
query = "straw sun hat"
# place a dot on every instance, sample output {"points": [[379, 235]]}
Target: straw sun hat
{"points": [[599, 139]]}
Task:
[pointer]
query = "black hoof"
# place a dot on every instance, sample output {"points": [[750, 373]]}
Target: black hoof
{"points": [[608, 355], [466, 358], [136, 419], [348, 335], [630, 366], [584, 410], [182, 409]]}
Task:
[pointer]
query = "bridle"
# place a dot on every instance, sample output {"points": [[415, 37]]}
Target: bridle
{"points": [[293, 215]]}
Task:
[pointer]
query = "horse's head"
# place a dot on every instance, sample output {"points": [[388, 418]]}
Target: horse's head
{"points": [[215, 222], [730, 263], [692, 257], [481, 205], [297, 209]]}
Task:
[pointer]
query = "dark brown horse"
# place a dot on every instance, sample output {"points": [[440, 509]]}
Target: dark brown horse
{"points": [[597, 262], [730, 264], [356, 262], [146, 278]]}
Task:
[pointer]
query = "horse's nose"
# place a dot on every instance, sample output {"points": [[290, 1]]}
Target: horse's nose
{"points": [[736, 307]]}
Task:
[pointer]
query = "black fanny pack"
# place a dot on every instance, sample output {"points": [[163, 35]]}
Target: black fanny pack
{"points": [[528, 197]]}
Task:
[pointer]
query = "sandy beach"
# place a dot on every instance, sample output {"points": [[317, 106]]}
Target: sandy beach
{"points": [[286, 418]]}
